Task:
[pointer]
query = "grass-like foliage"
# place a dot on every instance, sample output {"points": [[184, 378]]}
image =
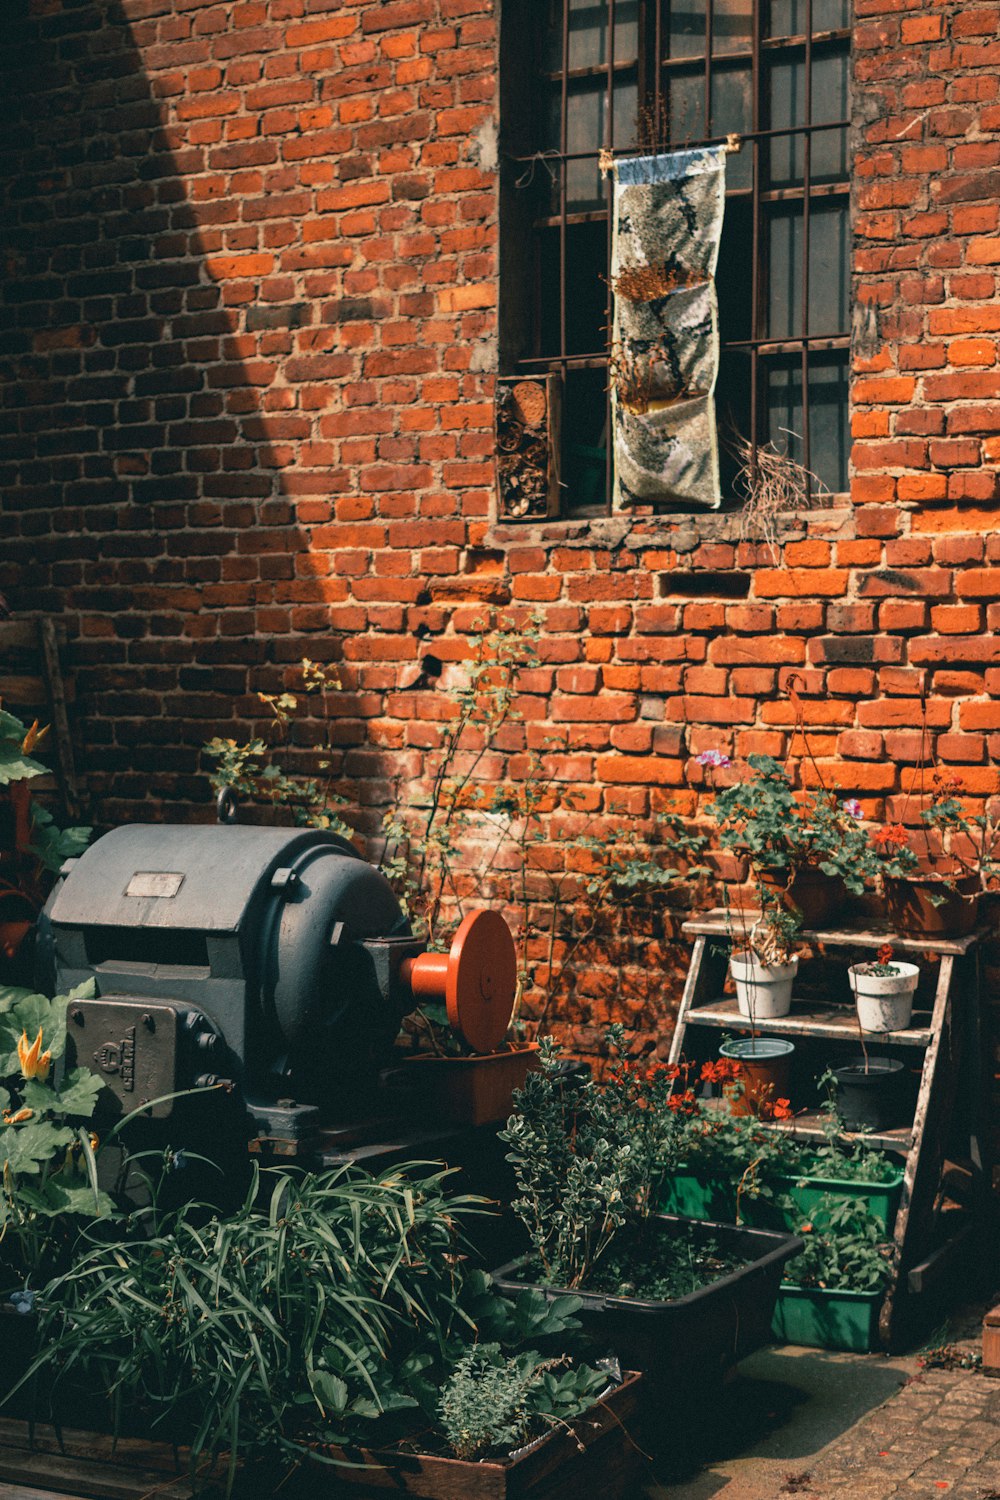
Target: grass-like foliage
{"points": [[242, 1336], [331, 1310]]}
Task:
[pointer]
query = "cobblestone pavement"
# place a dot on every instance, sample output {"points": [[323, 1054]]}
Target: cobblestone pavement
{"points": [[939, 1435], [821, 1426]]}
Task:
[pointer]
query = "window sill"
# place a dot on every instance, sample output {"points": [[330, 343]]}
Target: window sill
{"points": [[681, 532]]}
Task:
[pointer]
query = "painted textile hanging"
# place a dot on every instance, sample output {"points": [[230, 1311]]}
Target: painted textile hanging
{"points": [[665, 357]]}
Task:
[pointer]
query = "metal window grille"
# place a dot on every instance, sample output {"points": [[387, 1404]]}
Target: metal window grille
{"points": [[619, 75]]}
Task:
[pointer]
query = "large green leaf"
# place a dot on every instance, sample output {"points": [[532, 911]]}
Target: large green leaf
{"points": [[25, 1148], [77, 1095], [66, 1195]]}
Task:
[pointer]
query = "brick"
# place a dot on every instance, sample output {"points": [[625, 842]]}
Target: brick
{"points": [[773, 583]]}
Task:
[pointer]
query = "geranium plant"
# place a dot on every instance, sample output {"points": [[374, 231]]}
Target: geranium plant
{"points": [[973, 840], [779, 829]]}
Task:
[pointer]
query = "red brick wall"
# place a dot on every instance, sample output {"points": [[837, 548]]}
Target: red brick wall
{"points": [[249, 330]]}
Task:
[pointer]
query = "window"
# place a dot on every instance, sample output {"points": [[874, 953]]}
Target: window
{"points": [[582, 75]]}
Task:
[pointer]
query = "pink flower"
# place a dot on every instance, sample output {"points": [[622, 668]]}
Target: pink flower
{"points": [[713, 758], [853, 808]]}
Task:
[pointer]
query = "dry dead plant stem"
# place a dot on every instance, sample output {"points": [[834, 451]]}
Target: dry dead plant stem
{"points": [[772, 482]]}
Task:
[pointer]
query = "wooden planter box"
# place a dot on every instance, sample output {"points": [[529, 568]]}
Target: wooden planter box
{"points": [[599, 1459]]}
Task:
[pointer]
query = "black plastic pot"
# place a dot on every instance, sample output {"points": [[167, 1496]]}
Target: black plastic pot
{"points": [[691, 1341], [872, 1098]]}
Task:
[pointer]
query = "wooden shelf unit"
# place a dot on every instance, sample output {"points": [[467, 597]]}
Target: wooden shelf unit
{"points": [[947, 1042]]}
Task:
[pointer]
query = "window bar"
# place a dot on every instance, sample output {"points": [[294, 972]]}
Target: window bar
{"points": [[755, 281], [658, 73], [715, 140], [609, 141], [709, 43], [806, 226], [563, 175]]}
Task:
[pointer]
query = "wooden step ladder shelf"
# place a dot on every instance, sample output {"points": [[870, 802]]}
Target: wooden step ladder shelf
{"points": [[949, 1115]]}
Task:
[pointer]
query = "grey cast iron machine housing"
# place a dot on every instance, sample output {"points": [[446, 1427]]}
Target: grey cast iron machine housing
{"points": [[275, 961]]}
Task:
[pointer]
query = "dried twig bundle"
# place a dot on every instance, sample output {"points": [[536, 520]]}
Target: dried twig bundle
{"points": [[772, 482]]}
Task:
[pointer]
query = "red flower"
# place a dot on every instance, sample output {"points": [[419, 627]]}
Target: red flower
{"points": [[685, 1103], [885, 954], [892, 836]]}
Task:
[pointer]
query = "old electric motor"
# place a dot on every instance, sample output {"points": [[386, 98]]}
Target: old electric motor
{"points": [[277, 959]]}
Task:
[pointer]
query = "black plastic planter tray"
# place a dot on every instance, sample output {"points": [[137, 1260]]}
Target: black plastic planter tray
{"points": [[692, 1340]]}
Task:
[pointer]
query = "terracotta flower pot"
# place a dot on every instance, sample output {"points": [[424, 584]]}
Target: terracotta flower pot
{"points": [[765, 1070], [815, 896], [925, 906], [468, 1090]]}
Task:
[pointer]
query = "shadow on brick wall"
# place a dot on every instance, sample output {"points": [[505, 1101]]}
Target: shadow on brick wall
{"points": [[140, 448]]}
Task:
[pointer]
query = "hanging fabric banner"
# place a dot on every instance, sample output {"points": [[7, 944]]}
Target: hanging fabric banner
{"points": [[665, 343]]}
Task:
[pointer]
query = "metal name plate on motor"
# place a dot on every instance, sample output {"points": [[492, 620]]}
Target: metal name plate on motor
{"points": [[131, 1045], [160, 883]]}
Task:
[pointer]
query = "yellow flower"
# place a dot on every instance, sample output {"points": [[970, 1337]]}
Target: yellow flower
{"points": [[33, 738], [34, 1062]]}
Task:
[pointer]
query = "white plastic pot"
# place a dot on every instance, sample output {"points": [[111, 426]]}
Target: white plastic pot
{"points": [[763, 991], [884, 1001]]}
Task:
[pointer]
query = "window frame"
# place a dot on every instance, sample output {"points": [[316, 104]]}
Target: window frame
{"points": [[520, 323]]}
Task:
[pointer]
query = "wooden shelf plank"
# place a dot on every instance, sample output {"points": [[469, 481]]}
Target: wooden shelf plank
{"points": [[835, 1022], [809, 1127], [718, 924]]}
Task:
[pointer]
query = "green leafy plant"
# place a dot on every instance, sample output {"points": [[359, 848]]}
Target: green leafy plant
{"points": [[778, 829], [749, 1160], [770, 937], [973, 839], [33, 847], [493, 1403], [471, 833], [47, 1144], [843, 1250], [588, 1158], [331, 1310], [251, 768]]}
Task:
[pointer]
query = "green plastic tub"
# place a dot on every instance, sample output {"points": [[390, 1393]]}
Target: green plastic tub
{"points": [[882, 1198], [827, 1320], [696, 1197]]}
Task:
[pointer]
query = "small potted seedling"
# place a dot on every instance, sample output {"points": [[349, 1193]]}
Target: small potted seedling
{"points": [[883, 990]]}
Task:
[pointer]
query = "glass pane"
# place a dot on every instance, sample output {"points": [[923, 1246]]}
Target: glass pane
{"points": [[788, 107], [585, 427], [686, 29], [589, 33], [586, 289], [732, 26], [829, 263], [785, 273], [732, 106], [789, 17], [685, 102], [828, 435], [828, 269], [733, 277], [586, 114]]}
